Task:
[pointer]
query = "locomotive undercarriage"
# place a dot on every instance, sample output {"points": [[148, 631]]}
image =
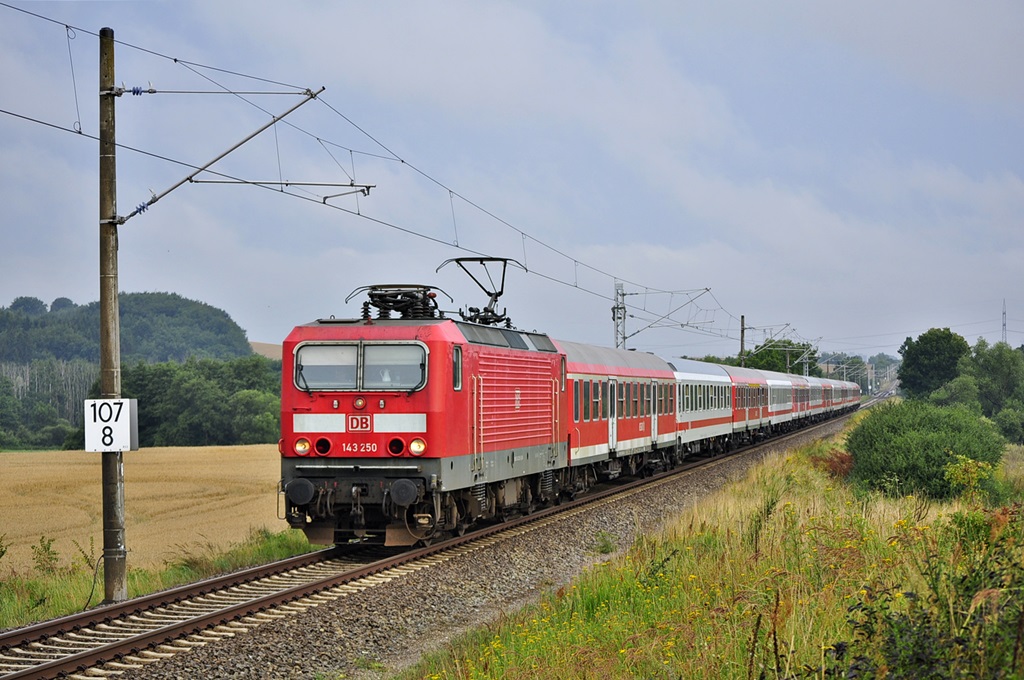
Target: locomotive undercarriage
{"points": [[406, 505], [365, 505]]}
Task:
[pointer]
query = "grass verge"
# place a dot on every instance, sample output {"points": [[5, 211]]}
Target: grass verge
{"points": [[789, 573], [59, 586]]}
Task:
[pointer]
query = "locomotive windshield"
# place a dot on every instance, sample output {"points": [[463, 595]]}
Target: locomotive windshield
{"points": [[363, 366]]}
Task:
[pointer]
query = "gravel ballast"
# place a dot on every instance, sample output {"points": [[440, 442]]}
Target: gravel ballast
{"points": [[376, 632]]}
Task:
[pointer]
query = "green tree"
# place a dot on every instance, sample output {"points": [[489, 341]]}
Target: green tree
{"points": [[1011, 421], [961, 390], [930, 361], [998, 370], [882, 361], [206, 401], [255, 417], [154, 327], [29, 306], [10, 414], [782, 356], [61, 304]]}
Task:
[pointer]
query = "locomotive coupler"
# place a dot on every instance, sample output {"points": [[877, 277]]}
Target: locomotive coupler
{"points": [[356, 514]]}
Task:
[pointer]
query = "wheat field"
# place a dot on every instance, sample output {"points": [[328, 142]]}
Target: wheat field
{"points": [[178, 500]]}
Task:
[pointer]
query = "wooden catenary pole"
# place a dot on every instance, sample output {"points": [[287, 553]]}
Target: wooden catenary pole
{"points": [[114, 551]]}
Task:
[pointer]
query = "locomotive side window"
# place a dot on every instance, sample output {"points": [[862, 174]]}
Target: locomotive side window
{"points": [[457, 368], [326, 367]]}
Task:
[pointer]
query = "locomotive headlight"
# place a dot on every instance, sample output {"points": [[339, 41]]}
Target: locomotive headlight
{"points": [[417, 447], [302, 446], [359, 403]]}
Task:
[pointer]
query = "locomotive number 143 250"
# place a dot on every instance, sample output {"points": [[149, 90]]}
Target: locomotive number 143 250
{"points": [[359, 447]]}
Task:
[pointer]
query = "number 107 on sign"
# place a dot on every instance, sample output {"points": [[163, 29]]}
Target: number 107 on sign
{"points": [[111, 425]]}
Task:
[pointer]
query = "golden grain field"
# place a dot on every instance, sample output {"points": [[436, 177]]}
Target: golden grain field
{"points": [[177, 500]]}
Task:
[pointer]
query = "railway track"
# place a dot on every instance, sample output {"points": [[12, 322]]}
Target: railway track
{"points": [[142, 631]]}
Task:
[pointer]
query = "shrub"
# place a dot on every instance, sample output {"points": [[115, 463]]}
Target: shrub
{"points": [[965, 622], [1011, 423], [905, 448]]}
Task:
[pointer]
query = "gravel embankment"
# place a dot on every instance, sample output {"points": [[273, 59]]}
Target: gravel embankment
{"points": [[383, 629]]}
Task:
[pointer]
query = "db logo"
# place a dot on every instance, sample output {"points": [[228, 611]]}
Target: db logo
{"points": [[359, 423]]}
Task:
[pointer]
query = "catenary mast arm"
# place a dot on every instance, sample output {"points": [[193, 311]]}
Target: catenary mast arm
{"points": [[309, 95]]}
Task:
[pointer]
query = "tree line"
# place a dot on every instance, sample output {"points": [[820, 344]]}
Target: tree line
{"points": [[154, 327], [188, 364], [941, 368], [786, 356]]}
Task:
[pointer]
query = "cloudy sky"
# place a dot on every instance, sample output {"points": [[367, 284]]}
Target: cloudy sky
{"points": [[848, 174]]}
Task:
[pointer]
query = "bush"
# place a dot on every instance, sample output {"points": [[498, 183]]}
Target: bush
{"points": [[904, 448], [1011, 423]]}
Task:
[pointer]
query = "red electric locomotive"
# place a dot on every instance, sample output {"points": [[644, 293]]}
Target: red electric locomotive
{"points": [[405, 425]]}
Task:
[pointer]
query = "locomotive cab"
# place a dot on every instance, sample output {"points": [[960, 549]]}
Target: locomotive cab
{"points": [[402, 430]]}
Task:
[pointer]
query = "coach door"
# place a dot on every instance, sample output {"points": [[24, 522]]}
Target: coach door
{"points": [[613, 420], [652, 406]]}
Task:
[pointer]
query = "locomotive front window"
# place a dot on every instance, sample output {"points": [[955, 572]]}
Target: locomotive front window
{"points": [[360, 367], [326, 367], [393, 367]]}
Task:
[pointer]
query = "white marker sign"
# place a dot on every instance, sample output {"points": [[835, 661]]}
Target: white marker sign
{"points": [[111, 425]]}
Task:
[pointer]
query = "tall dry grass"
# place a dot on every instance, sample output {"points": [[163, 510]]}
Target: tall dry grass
{"points": [[773, 576]]}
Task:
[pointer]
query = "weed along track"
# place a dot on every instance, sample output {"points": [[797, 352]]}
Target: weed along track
{"points": [[387, 599]]}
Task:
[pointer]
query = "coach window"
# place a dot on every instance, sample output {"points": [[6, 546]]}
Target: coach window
{"points": [[604, 399], [576, 401], [597, 400], [586, 401], [621, 398], [457, 368]]}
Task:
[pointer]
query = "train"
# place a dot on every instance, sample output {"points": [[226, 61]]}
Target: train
{"points": [[407, 425]]}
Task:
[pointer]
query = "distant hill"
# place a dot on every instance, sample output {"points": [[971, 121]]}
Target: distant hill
{"points": [[155, 327]]}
